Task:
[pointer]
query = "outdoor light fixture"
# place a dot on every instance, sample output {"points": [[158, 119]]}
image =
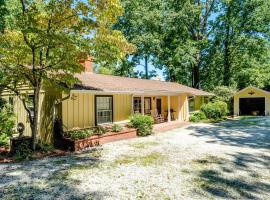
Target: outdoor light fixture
{"points": [[251, 93], [20, 129]]}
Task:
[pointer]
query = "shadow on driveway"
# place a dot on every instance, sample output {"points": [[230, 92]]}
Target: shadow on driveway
{"points": [[241, 174], [250, 132], [41, 179]]}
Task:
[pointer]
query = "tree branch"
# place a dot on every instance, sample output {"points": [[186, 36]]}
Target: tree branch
{"points": [[19, 95], [63, 99]]}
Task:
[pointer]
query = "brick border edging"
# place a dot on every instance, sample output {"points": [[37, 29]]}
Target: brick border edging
{"points": [[77, 145]]}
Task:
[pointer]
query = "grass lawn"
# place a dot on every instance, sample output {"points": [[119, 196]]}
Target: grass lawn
{"points": [[202, 161]]}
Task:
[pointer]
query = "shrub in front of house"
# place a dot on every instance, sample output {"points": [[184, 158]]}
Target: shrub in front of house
{"points": [[143, 123], [117, 128], [99, 130], [79, 134], [215, 110], [22, 151], [7, 123], [197, 116], [225, 94]]}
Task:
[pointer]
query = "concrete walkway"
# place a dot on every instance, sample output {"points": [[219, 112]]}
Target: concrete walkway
{"points": [[166, 126]]}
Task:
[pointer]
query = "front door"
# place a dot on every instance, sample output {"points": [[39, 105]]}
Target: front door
{"points": [[159, 106]]}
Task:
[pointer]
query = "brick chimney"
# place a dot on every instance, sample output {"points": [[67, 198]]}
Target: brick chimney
{"points": [[88, 64]]}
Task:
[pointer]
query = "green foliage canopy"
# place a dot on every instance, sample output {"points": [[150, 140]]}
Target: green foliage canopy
{"points": [[205, 43], [7, 122], [43, 41]]}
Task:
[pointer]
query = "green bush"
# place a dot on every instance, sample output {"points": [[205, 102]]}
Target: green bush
{"points": [[215, 110], [23, 151], [79, 134], [197, 116], [225, 94], [44, 147], [117, 128], [7, 124], [143, 123], [84, 133], [100, 130]]}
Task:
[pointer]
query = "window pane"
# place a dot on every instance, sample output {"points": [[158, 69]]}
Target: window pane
{"points": [[191, 104], [137, 104], [104, 110]]}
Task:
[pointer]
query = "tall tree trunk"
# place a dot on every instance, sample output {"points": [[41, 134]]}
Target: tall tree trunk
{"points": [[227, 66], [196, 77], [171, 75], [3, 12], [146, 67], [196, 72], [34, 125]]}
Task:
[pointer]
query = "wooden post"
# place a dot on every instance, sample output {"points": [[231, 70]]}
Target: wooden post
{"points": [[186, 104], [179, 108], [142, 105], [169, 109], [132, 104]]}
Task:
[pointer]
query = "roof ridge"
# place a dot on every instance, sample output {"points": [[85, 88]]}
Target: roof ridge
{"points": [[132, 78]]}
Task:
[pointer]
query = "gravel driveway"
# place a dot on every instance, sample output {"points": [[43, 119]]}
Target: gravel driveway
{"points": [[201, 161]]}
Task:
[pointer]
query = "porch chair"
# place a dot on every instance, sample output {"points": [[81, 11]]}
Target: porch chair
{"points": [[158, 118]]}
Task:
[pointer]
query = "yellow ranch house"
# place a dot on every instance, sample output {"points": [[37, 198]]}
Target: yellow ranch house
{"points": [[105, 99]]}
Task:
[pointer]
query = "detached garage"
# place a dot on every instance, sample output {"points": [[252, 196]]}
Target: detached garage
{"points": [[252, 101]]}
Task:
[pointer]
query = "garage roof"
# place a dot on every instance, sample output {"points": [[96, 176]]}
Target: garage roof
{"points": [[252, 89]]}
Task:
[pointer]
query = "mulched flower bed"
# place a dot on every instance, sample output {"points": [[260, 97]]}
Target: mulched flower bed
{"points": [[69, 144], [5, 156], [63, 144]]}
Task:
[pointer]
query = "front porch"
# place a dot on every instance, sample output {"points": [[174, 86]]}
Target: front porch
{"points": [[170, 107]]}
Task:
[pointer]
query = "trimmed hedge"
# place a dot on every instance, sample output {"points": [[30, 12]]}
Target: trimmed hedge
{"points": [[143, 123]]}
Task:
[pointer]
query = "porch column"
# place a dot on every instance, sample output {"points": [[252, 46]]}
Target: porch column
{"points": [[142, 105], [169, 109], [186, 104], [132, 104], [179, 108]]}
